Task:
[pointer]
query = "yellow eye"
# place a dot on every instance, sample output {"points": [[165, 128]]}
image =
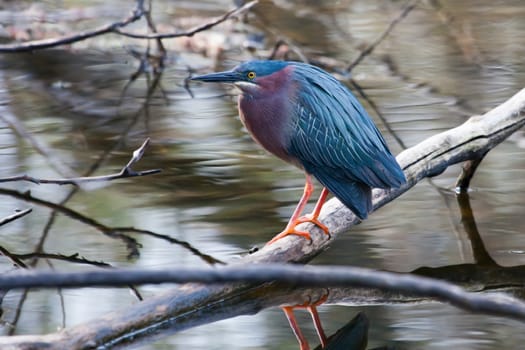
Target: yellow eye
{"points": [[250, 75]]}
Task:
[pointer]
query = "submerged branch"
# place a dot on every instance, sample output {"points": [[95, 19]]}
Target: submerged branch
{"points": [[467, 173]]}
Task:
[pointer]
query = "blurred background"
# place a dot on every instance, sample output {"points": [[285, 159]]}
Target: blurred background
{"points": [[90, 104]]}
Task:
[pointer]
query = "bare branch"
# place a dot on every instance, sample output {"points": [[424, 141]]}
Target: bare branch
{"points": [[122, 174], [135, 15], [467, 173], [73, 258], [16, 215], [131, 243], [194, 30], [308, 276], [205, 257], [13, 257], [378, 113], [368, 50], [113, 232], [40, 146], [137, 154]]}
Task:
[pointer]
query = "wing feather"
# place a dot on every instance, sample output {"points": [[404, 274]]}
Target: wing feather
{"points": [[334, 132], [336, 141]]}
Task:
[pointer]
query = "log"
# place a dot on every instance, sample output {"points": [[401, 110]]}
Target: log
{"points": [[185, 305]]}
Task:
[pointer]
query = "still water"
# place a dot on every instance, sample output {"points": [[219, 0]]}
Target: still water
{"points": [[222, 194]]}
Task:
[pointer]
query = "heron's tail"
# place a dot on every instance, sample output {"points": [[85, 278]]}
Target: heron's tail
{"points": [[357, 196]]}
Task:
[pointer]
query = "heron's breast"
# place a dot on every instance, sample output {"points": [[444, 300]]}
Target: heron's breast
{"points": [[269, 121]]}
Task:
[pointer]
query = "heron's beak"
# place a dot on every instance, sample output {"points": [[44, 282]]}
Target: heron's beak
{"points": [[221, 77]]}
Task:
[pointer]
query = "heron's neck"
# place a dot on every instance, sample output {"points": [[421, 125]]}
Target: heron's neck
{"points": [[267, 114]]}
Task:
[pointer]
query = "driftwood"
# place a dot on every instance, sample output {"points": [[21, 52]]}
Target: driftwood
{"points": [[185, 305]]}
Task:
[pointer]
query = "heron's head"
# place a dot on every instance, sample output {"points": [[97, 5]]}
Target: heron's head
{"points": [[252, 76]]}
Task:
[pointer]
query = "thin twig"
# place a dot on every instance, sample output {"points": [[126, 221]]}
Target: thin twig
{"points": [[114, 232], [153, 28], [289, 44], [194, 30], [125, 172], [60, 296], [380, 115], [13, 257], [18, 214], [131, 243], [73, 258], [479, 251], [207, 258], [38, 145], [460, 32], [368, 50], [135, 15]]}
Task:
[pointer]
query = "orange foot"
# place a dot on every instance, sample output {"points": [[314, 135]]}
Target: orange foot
{"points": [[291, 230]]}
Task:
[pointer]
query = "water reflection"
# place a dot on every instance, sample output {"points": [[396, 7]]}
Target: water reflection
{"points": [[221, 195]]}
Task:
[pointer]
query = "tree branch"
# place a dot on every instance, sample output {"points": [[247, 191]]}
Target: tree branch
{"points": [[113, 232], [297, 275], [18, 214], [368, 50], [194, 30], [467, 173], [125, 172], [116, 27], [135, 15]]}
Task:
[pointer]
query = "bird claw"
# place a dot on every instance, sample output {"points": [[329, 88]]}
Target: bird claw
{"points": [[291, 230], [315, 221]]}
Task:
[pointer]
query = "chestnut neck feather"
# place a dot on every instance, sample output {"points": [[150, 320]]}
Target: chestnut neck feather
{"points": [[265, 111]]}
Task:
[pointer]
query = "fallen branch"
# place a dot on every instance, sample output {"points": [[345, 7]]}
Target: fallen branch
{"points": [[125, 172], [297, 275]]}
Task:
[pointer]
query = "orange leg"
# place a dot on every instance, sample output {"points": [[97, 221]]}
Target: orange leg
{"points": [[318, 326], [296, 219], [314, 216], [303, 343], [312, 309]]}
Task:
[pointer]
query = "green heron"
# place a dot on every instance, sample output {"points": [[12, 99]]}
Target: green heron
{"points": [[306, 117]]}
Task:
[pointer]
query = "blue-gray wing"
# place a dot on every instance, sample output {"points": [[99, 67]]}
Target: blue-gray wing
{"points": [[336, 141]]}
